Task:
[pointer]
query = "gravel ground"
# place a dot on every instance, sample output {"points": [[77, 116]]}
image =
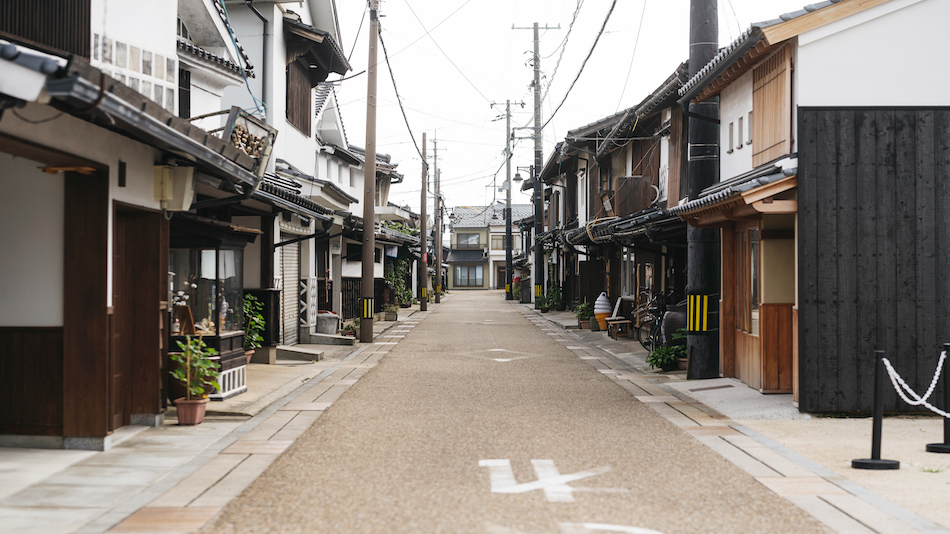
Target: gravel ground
{"points": [[400, 450]]}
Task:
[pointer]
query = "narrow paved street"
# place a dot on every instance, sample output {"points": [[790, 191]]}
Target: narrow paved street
{"points": [[479, 420]]}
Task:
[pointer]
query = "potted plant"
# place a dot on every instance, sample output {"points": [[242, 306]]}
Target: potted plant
{"points": [[679, 341], [543, 303], [350, 329], [666, 356], [198, 372], [253, 325], [585, 310], [392, 312], [556, 298]]}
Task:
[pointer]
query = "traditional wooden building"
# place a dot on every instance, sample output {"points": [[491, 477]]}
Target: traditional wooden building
{"points": [[828, 206]]}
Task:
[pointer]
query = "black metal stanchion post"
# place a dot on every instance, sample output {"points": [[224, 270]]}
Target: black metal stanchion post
{"points": [[945, 446], [875, 461]]}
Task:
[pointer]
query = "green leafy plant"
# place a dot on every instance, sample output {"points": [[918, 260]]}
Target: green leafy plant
{"points": [[516, 291], [391, 308], [584, 311], [400, 227], [543, 303], [396, 279], [253, 322], [554, 294], [196, 370], [666, 355]]}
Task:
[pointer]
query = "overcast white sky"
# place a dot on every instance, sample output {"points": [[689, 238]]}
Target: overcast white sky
{"points": [[452, 58]]}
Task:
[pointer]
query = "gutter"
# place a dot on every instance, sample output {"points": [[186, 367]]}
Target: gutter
{"points": [[265, 49], [89, 96]]}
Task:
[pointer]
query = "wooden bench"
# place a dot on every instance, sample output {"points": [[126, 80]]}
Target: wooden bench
{"points": [[619, 326]]}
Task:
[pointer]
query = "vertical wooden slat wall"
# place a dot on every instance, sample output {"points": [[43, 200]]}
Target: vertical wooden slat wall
{"points": [[60, 25], [872, 240]]}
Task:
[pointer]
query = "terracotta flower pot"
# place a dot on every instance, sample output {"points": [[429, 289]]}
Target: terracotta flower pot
{"points": [[682, 363], [191, 412]]}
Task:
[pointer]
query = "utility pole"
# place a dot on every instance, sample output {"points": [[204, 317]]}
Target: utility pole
{"points": [[538, 196], [423, 266], [509, 242], [702, 287], [438, 242], [367, 281]]}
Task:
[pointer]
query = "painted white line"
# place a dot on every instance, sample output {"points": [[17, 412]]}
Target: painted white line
{"points": [[550, 480], [386, 343]]}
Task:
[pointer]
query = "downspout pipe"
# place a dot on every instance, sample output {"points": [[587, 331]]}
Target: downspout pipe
{"points": [[265, 50]]}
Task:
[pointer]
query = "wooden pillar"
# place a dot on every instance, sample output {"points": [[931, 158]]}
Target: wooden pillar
{"points": [[727, 303], [85, 323]]}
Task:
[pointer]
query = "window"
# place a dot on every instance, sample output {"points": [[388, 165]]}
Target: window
{"points": [[749, 142], [184, 94], [468, 276], [498, 242], [771, 101], [60, 24], [467, 241], [298, 96], [731, 138], [739, 132], [747, 280]]}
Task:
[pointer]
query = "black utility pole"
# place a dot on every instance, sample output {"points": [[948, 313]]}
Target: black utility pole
{"points": [[423, 267], [702, 286]]}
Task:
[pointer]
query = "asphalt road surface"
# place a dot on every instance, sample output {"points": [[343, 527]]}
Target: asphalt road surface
{"points": [[478, 422]]}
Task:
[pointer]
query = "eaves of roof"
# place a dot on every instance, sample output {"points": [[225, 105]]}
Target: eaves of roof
{"points": [[466, 256], [338, 62], [324, 184], [735, 50], [214, 59], [724, 192], [90, 94], [290, 200]]}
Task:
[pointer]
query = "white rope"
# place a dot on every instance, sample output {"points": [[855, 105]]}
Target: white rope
{"points": [[918, 400]]}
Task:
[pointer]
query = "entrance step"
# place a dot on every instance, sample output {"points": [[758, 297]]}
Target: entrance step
{"points": [[293, 352], [331, 339]]}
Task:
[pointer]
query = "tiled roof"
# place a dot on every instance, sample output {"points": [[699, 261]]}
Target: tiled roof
{"points": [[466, 256], [736, 49], [201, 53], [724, 191], [224, 19], [481, 216]]}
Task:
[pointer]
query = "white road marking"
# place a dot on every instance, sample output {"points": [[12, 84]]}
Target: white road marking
{"points": [[550, 480]]}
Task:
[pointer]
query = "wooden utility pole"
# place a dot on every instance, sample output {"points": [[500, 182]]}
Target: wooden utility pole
{"points": [[438, 242], [703, 171], [424, 238], [367, 280]]}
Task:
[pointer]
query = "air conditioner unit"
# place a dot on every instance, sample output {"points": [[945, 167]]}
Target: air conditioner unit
{"points": [[174, 187]]}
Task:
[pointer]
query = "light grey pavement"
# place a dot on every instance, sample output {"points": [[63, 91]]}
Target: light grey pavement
{"points": [[480, 421], [179, 479]]}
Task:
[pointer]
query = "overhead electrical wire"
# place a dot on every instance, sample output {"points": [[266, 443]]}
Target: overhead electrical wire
{"points": [[632, 56], [429, 34], [557, 64], [584, 64], [392, 77]]}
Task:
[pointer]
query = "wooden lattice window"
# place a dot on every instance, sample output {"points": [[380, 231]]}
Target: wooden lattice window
{"points": [[53, 25], [298, 96], [771, 102]]}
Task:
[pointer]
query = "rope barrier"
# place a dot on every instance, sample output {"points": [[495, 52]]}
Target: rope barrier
{"points": [[900, 386]]}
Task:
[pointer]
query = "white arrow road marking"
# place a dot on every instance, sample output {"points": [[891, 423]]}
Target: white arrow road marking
{"points": [[554, 484]]}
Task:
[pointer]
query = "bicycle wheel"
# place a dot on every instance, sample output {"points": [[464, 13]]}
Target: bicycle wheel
{"points": [[643, 335]]}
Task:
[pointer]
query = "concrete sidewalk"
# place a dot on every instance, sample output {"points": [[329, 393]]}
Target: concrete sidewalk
{"points": [[913, 498], [175, 478]]}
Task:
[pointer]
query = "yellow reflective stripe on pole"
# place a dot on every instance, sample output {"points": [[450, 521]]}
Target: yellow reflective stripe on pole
{"points": [[424, 292], [697, 313], [368, 308], [705, 311], [507, 288]]}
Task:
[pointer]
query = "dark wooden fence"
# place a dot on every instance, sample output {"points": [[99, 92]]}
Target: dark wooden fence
{"points": [[874, 251], [351, 296]]}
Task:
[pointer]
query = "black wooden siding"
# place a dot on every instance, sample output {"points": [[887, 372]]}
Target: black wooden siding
{"points": [[874, 251], [60, 25]]}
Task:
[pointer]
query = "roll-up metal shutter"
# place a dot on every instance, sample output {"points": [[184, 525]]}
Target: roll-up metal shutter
{"points": [[290, 273]]}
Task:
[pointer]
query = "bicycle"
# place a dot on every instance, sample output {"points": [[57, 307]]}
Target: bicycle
{"points": [[650, 332]]}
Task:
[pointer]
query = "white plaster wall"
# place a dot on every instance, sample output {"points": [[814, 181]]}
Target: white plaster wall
{"points": [[151, 28], [735, 102], [881, 57], [249, 31], [32, 240], [74, 136], [252, 253], [354, 269]]}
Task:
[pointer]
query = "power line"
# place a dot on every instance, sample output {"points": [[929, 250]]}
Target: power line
{"points": [[398, 98], [557, 64], [634, 55], [429, 34], [584, 64]]}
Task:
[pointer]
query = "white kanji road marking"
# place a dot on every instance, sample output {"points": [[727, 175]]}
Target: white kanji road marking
{"points": [[550, 480]]}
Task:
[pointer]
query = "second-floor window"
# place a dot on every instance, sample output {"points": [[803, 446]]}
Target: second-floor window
{"points": [[298, 96], [771, 101], [467, 241], [498, 242]]}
